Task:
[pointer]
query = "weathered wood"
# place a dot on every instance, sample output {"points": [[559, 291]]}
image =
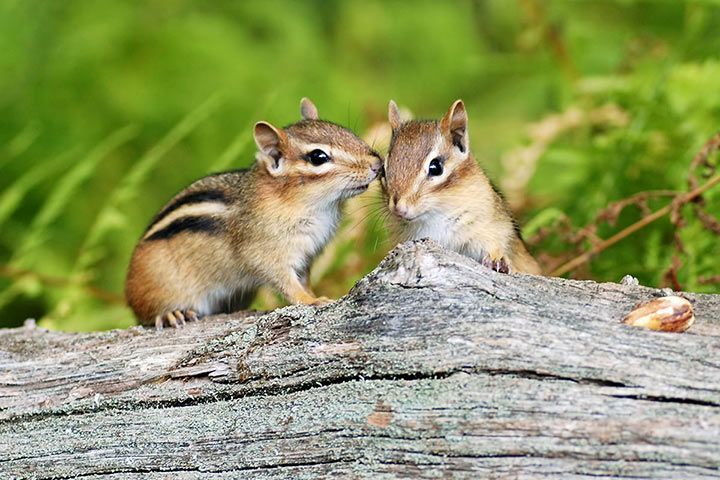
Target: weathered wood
{"points": [[431, 366]]}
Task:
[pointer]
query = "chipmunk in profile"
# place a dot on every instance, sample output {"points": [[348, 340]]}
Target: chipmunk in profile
{"points": [[210, 248], [435, 189]]}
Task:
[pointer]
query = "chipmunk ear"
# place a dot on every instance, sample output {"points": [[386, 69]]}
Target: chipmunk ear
{"points": [[454, 124], [308, 110], [270, 142], [394, 115]]}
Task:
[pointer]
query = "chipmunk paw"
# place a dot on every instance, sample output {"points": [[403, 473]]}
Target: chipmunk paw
{"points": [[175, 319], [500, 265], [321, 301]]}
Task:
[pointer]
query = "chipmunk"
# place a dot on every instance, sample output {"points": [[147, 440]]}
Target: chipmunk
{"points": [[210, 248], [436, 190]]}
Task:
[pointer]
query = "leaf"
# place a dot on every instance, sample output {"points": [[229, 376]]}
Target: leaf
{"points": [[544, 218]]}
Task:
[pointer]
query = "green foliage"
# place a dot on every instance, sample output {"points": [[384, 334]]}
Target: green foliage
{"points": [[108, 108]]}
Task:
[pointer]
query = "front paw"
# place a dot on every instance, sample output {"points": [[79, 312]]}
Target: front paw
{"points": [[499, 265], [321, 301], [175, 319]]}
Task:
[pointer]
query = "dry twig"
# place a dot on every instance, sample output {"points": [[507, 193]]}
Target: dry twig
{"points": [[673, 208]]}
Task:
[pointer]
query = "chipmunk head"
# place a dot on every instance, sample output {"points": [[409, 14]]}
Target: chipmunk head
{"points": [[319, 158], [425, 159]]}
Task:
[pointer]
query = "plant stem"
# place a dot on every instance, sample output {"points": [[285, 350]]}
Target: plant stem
{"points": [[585, 257]]}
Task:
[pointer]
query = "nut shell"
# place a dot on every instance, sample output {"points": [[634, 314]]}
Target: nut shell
{"points": [[665, 314]]}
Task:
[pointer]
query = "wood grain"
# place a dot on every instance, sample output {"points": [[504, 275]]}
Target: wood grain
{"points": [[432, 366]]}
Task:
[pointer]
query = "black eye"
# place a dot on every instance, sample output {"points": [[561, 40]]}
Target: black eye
{"points": [[436, 167], [317, 157]]}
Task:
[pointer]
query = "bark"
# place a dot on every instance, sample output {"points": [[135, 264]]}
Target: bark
{"points": [[432, 366]]}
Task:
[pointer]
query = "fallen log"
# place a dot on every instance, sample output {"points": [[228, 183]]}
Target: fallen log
{"points": [[432, 365]]}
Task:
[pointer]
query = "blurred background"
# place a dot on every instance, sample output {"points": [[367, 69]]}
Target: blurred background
{"points": [[108, 108]]}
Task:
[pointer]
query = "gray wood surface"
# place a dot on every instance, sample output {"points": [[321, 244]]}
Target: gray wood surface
{"points": [[431, 367]]}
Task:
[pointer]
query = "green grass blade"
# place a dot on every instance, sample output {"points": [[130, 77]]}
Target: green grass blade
{"points": [[11, 199], [55, 205], [69, 184], [239, 145], [110, 217], [243, 139], [20, 143]]}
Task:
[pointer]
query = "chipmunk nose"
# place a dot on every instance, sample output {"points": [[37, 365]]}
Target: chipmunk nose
{"points": [[376, 166], [401, 208]]}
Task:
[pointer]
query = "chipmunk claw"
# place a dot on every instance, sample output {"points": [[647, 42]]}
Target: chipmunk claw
{"points": [[175, 319], [499, 265]]}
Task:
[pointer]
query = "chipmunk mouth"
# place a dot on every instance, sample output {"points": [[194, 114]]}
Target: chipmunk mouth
{"points": [[358, 189], [409, 217]]}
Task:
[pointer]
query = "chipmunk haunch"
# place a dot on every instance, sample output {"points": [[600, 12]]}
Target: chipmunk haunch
{"points": [[218, 240], [435, 189]]}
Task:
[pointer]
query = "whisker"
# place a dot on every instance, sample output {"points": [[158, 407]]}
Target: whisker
{"points": [[359, 222], [373, 212]]}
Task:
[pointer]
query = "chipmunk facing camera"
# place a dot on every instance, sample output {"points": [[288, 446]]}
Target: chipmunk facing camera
{"points": [[435, 189], [218, 240]]}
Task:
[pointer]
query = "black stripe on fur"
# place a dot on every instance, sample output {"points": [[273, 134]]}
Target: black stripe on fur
{"points": [[189, 199], [206, 225]]}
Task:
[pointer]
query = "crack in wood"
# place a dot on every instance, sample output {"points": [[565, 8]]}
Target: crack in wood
{"points": [[286, 466], [662, 399]]}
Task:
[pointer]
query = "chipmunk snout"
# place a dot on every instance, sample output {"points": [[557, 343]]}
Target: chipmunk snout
{"points": [[375, 168], [400, 207]]}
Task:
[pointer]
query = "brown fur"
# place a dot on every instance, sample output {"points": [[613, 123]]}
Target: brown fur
{"points": [[460, 208], [275, 218]]}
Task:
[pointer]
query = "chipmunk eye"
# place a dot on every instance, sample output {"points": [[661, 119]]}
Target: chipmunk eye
{"points": [[317, 157], [436, 167]]}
